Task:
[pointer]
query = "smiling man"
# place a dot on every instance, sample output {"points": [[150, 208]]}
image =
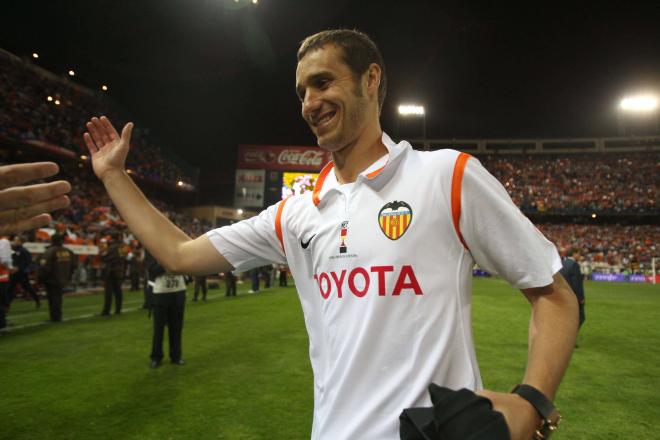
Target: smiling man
{"points": [[382, 253]]}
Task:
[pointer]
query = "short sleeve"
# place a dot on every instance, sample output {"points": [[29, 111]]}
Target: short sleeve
{"points": [[500, 238], [250, 243]]}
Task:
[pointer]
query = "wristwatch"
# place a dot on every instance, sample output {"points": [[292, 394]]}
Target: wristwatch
{"points": [[549, 414]]}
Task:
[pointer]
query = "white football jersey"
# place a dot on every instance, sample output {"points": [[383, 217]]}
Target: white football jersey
{"points": [[383, 268]]}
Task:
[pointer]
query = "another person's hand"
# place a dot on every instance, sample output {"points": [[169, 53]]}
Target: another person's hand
{"points": [[521, 417], [27, 207], [107, 148]]}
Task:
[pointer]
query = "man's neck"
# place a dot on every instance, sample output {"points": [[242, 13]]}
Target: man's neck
{"points": [[350, 161]]}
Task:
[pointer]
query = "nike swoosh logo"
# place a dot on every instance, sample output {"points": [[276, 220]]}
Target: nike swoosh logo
{"points": [[305, 245]]}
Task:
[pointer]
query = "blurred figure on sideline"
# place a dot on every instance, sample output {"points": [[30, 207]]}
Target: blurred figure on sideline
{"points": [[200, 283], [283, 280], [230, 283], [114, 259], [254, 279], [135, 260], [57, 266], [5, 268], [22, 259], [571, 272]]}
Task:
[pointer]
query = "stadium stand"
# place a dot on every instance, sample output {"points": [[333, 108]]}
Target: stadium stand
{"points": [[43, 110], [560, 192], [580, 183]]}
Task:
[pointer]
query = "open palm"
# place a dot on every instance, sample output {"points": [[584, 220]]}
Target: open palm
{"points": [[107, 148]]}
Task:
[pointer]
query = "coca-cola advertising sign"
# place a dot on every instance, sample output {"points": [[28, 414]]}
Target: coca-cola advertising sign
{"points": [[282, 158]]}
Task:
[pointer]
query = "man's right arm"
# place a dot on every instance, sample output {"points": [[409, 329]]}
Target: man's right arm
{"points": [[177, 252]]}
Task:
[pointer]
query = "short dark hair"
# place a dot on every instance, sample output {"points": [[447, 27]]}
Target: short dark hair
{"points": [[359, 52]]}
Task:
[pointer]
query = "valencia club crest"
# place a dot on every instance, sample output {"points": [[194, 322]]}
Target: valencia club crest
{"points": [[394, 219]]}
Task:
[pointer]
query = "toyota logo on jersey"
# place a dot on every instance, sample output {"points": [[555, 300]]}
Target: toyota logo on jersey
{"points": [[394, 219]]}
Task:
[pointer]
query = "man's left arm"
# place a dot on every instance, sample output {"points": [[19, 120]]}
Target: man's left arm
{"points": [[552, 333]]}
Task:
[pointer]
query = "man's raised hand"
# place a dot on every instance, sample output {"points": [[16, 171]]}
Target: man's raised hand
{"points": [[107, 148]]}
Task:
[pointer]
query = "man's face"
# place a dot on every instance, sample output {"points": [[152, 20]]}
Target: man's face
{"points": [[334, 102]]}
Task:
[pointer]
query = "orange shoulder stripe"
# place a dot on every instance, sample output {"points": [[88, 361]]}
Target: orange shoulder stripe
{"points": [[278, 223], [456, 186]]}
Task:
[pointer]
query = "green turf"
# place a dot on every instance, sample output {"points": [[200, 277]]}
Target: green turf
{"points": [[248, 374]]}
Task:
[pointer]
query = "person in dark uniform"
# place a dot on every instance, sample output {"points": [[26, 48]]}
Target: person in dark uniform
{"points": [[283, 281], [266, 272], [254, 277], [200, 283], [135, 258], [114, 259], [571, 272], [5, 268], [56, 269], [167, 302], [22, 261], [230, 283]]}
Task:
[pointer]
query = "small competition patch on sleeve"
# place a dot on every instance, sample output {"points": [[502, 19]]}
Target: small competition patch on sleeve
{"points": [[394, 219]]}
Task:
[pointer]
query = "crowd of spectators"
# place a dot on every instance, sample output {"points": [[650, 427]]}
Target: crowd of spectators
{"points": [[40, 106], [91, 212], [608, 248], [605, 247], [580, 183], [91, 218]]}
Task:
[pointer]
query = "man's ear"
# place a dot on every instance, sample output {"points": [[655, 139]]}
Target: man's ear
{"points": [[373, 78]]}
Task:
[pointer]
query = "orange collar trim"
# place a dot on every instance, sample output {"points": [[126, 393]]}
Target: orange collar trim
{"points": [[316, 195]]}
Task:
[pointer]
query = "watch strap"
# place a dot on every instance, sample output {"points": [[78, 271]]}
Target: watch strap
{"points": [[542, 404], [549, 413]]}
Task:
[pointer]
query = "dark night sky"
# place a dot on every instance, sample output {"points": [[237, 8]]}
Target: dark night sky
{"points": [[207, 75]]}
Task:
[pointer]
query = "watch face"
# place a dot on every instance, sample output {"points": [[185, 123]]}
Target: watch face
{"points": [[548, 426]]}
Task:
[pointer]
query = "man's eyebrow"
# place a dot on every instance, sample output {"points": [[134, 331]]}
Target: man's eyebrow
{"points": [[312, 79]]}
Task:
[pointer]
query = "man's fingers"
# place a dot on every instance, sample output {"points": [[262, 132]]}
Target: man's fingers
{"points": [[17, 214], [90, 143], [25, 225], [105, 137], [109, 128], [96, 135], [12, 175], [25, 196], [126, 133]]}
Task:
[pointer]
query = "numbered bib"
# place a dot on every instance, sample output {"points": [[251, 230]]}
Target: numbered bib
{"points": [[168, 284]]}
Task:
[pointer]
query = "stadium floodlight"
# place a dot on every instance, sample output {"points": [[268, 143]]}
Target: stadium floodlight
{"points": [[594, 215], [639, 103], [411, 109], [179, 183], [35, 55], [49, 99], [83, 157], [414, 110], [129, 171], [72, 73], [104, 88], [239, 211], [254, 2], [57, 102]]}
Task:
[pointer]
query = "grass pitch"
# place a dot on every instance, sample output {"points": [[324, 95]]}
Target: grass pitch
{"points": [[248, 374]]}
